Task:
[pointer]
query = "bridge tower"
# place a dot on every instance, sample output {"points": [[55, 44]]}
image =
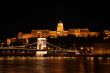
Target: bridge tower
{"points": [[41, 43]]}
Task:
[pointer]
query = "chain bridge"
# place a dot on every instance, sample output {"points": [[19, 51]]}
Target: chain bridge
{"points": [[41, 48], [30, 49]]}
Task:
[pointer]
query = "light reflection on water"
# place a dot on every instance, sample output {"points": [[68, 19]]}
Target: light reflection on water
{"points": [[54, 65]]}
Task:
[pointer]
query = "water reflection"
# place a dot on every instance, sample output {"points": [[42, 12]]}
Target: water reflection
{"points": [[54, 65]]}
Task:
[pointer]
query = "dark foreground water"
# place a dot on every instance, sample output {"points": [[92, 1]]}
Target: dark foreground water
{"points": [[54, 65]]}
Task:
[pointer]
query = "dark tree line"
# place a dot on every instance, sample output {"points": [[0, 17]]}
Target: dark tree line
{"points": [[72, 41]]}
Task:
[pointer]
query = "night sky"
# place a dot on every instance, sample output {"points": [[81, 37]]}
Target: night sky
{"points": [[24, 17]]}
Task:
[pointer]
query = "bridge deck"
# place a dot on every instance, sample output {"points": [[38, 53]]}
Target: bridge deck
{"points": [[53, 52], [14, 48]]}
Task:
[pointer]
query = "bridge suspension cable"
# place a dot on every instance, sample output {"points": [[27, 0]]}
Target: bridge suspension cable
{"points": [[36, 44], [54, 45]]}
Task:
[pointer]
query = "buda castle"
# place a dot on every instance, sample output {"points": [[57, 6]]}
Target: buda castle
{"points": [[83, 32]]}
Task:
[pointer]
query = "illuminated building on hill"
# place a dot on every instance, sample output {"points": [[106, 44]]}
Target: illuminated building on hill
{"points": [[106, 34], [9, 40], [59, 32]]}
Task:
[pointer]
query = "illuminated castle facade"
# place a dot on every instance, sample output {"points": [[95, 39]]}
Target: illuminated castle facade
{"points": [[45, 33], [59, 32]]}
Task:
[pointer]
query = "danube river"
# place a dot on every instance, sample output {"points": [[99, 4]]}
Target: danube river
{"points": [[54, 65]]}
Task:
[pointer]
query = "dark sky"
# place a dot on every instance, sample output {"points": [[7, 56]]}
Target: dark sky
{"points": [[23, 17]]}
